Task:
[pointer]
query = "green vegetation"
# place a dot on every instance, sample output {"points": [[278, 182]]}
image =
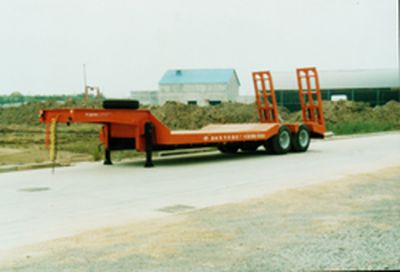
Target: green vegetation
{"points": [[18, 98], [27, 114], [354, 127], [342, 117], [345, 117], [20, 128]]}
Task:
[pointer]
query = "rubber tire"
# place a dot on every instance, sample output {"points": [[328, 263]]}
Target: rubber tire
{"points": [[121, 104], [228, 148], [275, 143], [296, 146], [250, 147]]}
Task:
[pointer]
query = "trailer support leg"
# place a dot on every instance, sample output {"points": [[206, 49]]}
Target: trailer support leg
{"points": [[107, 157], [148, 133]]}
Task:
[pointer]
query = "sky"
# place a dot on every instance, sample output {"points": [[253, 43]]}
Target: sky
{"points": [[129, 44]]}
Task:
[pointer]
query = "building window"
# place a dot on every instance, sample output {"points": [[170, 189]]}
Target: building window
{"points": [[214, 102], [192, 102]]}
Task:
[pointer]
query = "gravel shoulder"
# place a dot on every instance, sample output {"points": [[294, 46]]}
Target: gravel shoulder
{"points": [[351, 223]]}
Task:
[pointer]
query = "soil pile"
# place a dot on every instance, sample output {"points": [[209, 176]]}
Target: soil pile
{"points": [[347, 117], [28, 114], [388, 113], [180, 116]]}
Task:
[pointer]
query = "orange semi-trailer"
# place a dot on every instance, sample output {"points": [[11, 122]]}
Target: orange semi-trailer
{"points": [[127, 127]]}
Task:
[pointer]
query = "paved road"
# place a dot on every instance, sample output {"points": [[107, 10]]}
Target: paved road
{"points": [[37, 205]]}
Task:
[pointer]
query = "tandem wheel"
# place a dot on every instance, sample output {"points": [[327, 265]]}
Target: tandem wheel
{"points": [[301, 139], [280, 143]]}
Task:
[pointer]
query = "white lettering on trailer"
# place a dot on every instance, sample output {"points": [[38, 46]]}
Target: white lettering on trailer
{"points": [[233, 137], [97, 114], [91, 114], [254, 136]]}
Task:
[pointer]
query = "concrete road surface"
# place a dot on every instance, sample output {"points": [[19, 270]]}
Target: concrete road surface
{"points": [[37, 205]]}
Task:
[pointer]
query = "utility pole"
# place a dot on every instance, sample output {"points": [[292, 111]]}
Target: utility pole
{"points": [[84, 75], [398, 51], [88, 88], [85, 90]]}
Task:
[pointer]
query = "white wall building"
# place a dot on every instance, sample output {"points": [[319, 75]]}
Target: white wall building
{"points": [[193, 86], [146, 97], [212, 86], [199, 86]]}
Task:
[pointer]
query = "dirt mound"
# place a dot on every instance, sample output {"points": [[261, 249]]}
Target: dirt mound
{"points": [[345, 111], [349, 112], [389, 112], [354, 115], [28, 114], [180, 116]]}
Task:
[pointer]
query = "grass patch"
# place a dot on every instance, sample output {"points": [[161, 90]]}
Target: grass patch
{"points": [[20, 144], [357, 127]]}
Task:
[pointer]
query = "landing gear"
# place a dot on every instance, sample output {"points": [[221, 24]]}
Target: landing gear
{"points": [[250, 147], [148, 134], [228, 148], [107, 157]]}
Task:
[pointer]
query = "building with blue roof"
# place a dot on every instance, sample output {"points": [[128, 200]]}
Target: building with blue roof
{"points": [[199, 86], [199, 76], [193, 86], [213, 86]]}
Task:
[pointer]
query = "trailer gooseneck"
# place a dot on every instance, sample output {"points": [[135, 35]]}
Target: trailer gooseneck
{"points": [[126, 127]]}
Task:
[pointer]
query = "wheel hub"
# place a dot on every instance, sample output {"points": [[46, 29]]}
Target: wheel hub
{"points": [[303, 138], [284, 139]]}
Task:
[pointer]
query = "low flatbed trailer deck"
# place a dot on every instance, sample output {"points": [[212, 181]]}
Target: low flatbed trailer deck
{"points": [[127, 128]]}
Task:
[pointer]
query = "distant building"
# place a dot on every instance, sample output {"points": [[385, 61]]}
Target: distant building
{"points": [[193, 86], [213, 86], [199, 86], [146, 97], [375, 87], [246, 99]]}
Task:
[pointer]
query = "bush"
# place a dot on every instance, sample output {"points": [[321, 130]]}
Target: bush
{"points": [[354, 127]]}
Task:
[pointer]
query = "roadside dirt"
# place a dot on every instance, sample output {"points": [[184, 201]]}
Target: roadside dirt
{"points": [[19, 156], [353, 223]]}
